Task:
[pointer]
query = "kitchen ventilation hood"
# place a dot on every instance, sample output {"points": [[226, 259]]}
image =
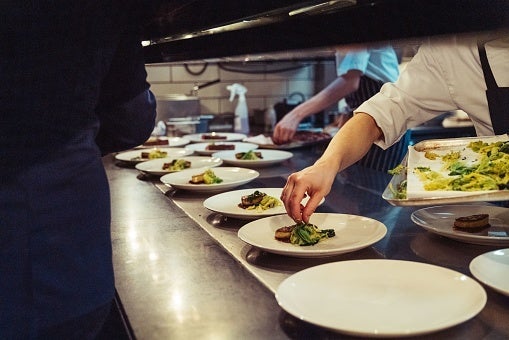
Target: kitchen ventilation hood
{"points": [[198, 30]]}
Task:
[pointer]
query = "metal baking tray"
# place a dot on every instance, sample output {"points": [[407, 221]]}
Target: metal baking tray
{"points": [[319, 135], [433, 144]]}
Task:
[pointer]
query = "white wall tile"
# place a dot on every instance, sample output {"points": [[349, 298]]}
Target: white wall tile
{"points": [[157, 74], [264, 89], [180, 74]]}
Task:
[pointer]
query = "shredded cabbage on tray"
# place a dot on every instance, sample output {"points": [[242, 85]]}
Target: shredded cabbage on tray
{"points": [[489, 172]]}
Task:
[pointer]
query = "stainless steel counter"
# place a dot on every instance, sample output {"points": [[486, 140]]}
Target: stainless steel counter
{"points": [[182, 273]]}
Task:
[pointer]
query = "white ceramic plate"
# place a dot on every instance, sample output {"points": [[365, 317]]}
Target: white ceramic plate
{"points": [[133, 156], [232, 177], [270, 157], [155, 166], [381, 298], [440, 220], [172, 142], [230, 137], [201, 148], [227, 204], [492, 269], [352, 233]]}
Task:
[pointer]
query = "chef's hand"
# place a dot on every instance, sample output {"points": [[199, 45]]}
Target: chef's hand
{"points": [[314, 181], [285, 129]]}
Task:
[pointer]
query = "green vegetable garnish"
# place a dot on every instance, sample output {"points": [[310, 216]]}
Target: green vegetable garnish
{"points": [[307, 234]]}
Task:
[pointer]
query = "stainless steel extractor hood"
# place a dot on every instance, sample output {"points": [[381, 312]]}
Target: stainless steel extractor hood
{"points": [[194, 30]]}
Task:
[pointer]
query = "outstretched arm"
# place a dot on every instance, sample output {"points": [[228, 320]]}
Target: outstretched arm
{"points": [[349, 145], [338, 89]]}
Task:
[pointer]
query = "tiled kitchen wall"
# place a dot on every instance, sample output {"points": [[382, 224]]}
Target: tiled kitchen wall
{"points": [[267, 82]]}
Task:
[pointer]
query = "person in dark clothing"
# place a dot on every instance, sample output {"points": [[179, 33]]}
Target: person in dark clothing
{"points": [[73, 89]]}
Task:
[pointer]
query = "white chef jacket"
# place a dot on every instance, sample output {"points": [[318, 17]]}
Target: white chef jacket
{"points": [[444, 75], [379, 63]]}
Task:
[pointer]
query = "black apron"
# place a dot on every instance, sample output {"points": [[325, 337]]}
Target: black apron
{"points": [[498, 97], [367, 88], [377, 158]]}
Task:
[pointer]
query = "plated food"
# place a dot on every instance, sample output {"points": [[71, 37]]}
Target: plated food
{"points": [[250, 155], [248, 204], [300, 139], [142, 155], [252, 158], [163, 141], [474, 222], [206, 177], [441, 220], [259, 201], [452, 170], [303, 234], [230, 177], [351, 233], [211, 147], [162, 166], [215, 137], [381, 298], [176, 164]]}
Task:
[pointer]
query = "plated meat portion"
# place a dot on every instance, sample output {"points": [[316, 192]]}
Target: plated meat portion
{"points": [[214, 146], [252, 199], [213, 136], [309, 136], [156, 141], [259, 201], [472, 222], [283, 234]]}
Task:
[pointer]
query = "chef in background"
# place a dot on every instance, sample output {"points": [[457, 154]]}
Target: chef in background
{"points": [[469, 73], [361, 74], [73, 89]]}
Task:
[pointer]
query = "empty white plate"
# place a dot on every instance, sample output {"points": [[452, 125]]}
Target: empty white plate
{"points": [[381, 298], [492, 269]]}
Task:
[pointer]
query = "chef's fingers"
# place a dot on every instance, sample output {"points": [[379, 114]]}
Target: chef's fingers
{"points": [[293, 193], [282, 135], [310, 207]]}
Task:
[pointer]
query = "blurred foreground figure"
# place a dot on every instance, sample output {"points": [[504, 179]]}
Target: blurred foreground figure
{"points": [[73, 89]]}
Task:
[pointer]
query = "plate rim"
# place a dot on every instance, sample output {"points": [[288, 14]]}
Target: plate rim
{"points": [[258, 162], [376, 334], [381, 232], [212, 187], [144, 150], [185, 141], [236, 137], [162, 172], [246, 216], [193, 147], [482, 277]]}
